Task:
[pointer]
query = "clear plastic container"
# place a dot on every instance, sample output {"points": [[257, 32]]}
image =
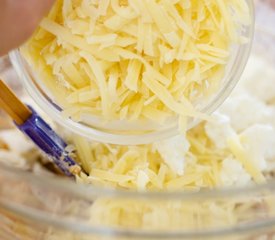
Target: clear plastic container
{"points": [[47, 207], [125, 132]]}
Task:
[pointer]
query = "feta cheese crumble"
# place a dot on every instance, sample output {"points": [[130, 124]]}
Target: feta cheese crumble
{"points": [[173, 152]]}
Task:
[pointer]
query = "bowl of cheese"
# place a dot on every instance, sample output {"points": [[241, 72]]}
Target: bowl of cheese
{"points": [[214, 182], [131, 72]]}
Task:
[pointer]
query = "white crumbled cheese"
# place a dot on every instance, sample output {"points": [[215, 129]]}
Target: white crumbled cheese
{"points": [[259, 141], [269, 119], [38, 169], [219, 130], [173, 152], [233, 174], [16, 141], [244, 110], [13, 159], [259, 79], [142, 180]]}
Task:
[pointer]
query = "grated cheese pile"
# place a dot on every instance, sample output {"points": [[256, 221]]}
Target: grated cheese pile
{"points": [[15, 150], [137, 60]]}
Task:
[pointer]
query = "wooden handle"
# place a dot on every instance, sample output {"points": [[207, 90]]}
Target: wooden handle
{"points": [[10, 103]]}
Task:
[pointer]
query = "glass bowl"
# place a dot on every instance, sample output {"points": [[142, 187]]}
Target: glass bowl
{"points": [[124, 132], [46, 207], [42, 206]]}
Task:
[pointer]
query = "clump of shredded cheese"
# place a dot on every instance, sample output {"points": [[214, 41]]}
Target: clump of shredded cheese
{"points": [[135, 59], [209, 156], [15, 150]]}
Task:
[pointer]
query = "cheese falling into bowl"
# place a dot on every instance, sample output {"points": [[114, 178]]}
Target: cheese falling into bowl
{"points": [[135, 65]]}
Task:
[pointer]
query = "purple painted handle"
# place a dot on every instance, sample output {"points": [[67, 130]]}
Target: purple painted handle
{"points": [[48, 141]]}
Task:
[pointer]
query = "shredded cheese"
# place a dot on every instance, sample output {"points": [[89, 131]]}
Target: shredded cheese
{"points": [[194, 161], [183, 163], [162, 54]]}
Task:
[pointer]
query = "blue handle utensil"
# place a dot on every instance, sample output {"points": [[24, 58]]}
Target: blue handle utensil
{"points": [[33, 126]]}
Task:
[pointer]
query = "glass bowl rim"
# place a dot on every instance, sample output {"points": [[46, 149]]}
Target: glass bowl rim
{"points": [[89, 193]]}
